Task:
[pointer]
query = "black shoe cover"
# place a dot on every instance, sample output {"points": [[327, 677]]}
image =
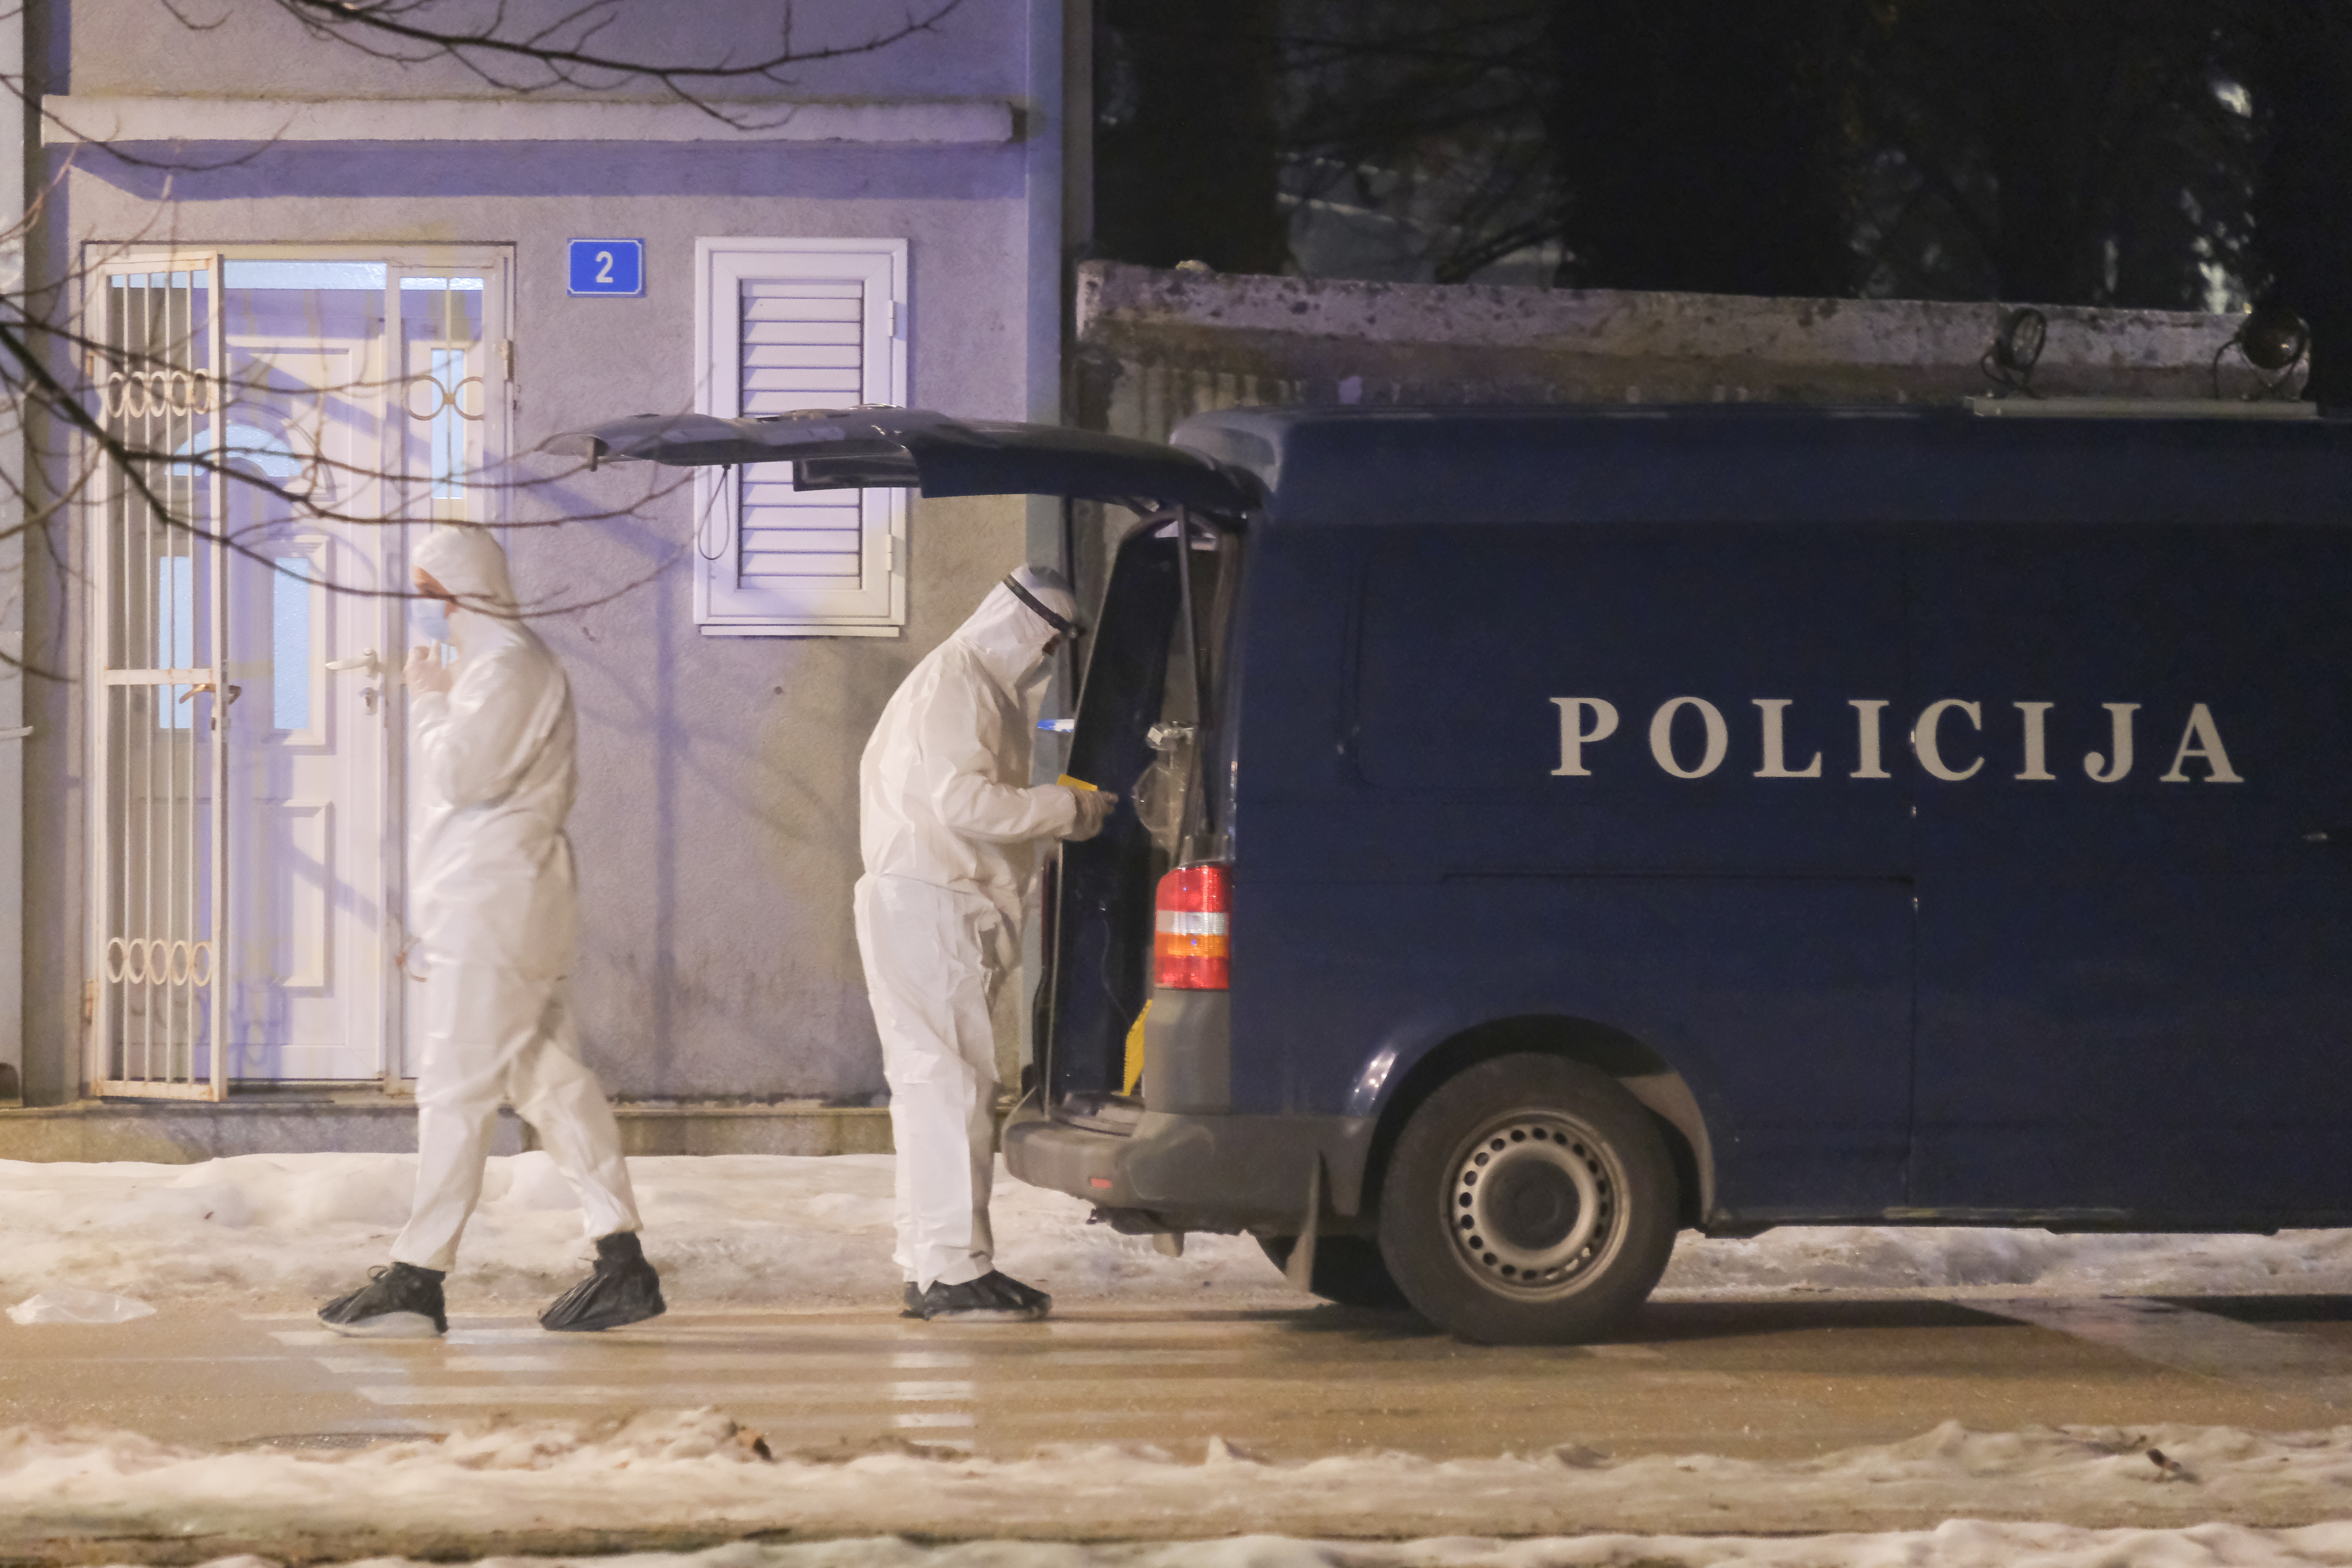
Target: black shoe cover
{"points": [[993, 1297], [913, 1302], [399, 1302], [623, 1289]]}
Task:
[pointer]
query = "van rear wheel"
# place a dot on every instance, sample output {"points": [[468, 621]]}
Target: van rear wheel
{"points": [[1529, 1201]]}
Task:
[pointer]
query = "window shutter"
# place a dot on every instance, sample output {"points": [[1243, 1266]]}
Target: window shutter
{"points": [[790, 325]]}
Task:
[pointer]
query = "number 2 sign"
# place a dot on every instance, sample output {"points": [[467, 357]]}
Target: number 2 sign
{"points": [[608, 267]]}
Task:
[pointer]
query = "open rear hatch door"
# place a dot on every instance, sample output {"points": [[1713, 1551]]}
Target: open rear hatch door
{"points": [[864, 448], [1151, 660]]}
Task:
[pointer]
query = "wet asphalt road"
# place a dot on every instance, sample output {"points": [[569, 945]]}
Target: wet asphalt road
{"points": [[1777, 1378]]}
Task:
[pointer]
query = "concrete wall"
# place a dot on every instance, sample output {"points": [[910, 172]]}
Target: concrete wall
{"points": [[1154, 346], [716, 824], [166, 1132]]}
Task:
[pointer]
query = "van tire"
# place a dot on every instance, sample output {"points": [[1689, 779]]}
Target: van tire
{"points": [[1593, 1219], [1348, 1270]]}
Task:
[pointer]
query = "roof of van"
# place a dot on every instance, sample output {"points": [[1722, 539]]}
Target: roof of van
{"points": [[1768, 463]]}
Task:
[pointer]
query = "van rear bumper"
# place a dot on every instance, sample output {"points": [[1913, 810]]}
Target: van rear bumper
{"points": [[1197, 1172]]}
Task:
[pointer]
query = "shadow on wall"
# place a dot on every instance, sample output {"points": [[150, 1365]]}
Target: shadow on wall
{"points": [[717, 826]]}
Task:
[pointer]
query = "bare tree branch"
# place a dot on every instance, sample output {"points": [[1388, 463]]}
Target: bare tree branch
{"points": [[73, 444], [560, 53]]}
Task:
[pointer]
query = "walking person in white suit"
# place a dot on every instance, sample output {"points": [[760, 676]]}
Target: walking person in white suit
{"points": [[494, 908]]}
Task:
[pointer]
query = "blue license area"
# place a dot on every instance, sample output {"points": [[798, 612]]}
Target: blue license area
{"points": [[608, 267]]}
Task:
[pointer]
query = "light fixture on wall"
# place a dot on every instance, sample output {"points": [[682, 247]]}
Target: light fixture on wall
{"points": [[2274, 340]]}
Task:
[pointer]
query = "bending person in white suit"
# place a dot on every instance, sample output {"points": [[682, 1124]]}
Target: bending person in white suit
{"points": [[950, 826], [493, 906]]}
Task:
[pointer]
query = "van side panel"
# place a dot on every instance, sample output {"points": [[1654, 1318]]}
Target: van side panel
{"points": [[1297, 631], [2136, 982], [1498, 823], [1784, 1004]]}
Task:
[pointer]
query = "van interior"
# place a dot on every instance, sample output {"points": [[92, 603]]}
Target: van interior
{"points": [[1147, 728]]}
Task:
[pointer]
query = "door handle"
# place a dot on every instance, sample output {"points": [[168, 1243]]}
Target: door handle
{"points": [[2342, 836], [19, 734], [219, 712], [367, 661]]}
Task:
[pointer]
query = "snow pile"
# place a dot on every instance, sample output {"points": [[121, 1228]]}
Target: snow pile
{"points": [[1946, 1260], [777, 1230], [553, 1486], [767, 1230], [68, 1305], [1960, 1543]]}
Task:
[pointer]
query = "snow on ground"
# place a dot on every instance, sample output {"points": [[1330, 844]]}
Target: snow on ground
{"points": [[693, 1473], [1962, 1543], [764, 1230], [1959, 1261], [776, 1230]]}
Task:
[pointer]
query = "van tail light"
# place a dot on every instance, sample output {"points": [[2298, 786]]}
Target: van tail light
{"points": [[1191, 929]]}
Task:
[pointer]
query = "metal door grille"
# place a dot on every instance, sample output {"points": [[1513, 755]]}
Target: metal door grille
{"points": [[162, 702]]}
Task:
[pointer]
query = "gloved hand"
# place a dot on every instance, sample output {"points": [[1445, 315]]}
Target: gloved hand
{"points": [[426, 673], [1093, 809]]}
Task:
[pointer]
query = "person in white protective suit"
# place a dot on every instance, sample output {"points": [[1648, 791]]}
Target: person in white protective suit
{"points": [[496, 919], [950, 826]]}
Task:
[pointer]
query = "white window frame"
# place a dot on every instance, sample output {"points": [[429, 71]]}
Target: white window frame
{"points": [[721, 268]]}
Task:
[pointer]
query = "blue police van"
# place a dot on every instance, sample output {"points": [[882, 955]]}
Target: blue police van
{"points": [[1548, 830]]}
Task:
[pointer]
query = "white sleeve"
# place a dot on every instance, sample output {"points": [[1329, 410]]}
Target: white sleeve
{"points": [[477, 742], [961, 735]]}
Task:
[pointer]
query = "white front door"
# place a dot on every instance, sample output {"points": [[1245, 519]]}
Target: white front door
{"points": [[350, 421], [308, 752]]}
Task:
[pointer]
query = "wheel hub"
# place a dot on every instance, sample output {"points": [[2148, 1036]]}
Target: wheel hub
{"points": [[1535, 1202], [1533, 1205]]}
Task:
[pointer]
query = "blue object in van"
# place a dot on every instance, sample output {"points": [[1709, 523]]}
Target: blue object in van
{"points": [[1570, 825]]}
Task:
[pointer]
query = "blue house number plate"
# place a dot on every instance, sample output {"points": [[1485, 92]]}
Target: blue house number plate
{"points": [[608, 267]]}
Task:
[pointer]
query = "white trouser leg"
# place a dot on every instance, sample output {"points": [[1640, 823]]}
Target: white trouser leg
{"points": [[552, 1089], [491, 1034], [931, 964]]}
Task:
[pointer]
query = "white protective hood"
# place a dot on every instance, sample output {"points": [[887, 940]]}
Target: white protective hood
{"points": [[469, 563], [943, 789], [491, 875]]}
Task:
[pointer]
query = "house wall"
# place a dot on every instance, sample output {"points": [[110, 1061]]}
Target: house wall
{"points": [[974, 49], [12, 607], [716, 823]]}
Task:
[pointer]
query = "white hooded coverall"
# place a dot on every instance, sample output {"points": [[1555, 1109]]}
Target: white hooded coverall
{"points": [[949, 825], [493, 908]]}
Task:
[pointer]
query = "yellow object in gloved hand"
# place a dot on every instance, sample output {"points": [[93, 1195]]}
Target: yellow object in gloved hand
{"points": [[1134, 1073], [1094, 804]]}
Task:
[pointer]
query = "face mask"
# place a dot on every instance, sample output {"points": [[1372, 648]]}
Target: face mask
{"points": [[431, 618]]}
